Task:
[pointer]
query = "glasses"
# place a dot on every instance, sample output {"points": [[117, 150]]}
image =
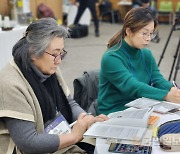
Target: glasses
{"points": [[146, 35], [59, 56]]}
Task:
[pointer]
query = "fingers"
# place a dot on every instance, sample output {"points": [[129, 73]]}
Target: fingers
{"points": [[173, 95], [101, 118], [81, 116], [85, 120], [89, 119]]}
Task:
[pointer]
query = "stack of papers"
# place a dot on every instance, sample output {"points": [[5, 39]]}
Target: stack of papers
{"points": [[159, 106]]}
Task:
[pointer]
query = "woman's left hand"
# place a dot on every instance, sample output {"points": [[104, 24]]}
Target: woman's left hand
{"points": [[101, 118]]}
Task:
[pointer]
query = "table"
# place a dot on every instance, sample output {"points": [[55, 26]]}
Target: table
{"points": [[7, 41], [102, 145]]}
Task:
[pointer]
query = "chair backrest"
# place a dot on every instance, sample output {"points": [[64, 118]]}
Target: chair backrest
{"points": [[86, 90], [166, 6]]}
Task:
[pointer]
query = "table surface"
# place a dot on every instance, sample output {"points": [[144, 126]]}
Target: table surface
{"points": [[102, 145]]}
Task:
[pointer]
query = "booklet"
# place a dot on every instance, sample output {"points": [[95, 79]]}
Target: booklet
{"points": [[130, 124], [159, 106]]}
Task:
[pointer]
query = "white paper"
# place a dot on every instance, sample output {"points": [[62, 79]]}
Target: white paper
{"points": [[116, 132], [159, 106], [129, 125]]}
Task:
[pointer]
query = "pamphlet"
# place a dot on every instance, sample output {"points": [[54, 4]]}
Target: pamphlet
{"points": [[130, 124]]}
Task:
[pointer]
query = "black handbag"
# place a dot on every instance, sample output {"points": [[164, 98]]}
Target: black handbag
{"points": [[78, 31]]}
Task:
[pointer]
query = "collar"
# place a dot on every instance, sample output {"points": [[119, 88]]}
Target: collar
{"points": [[42, 77], [131, 51]]}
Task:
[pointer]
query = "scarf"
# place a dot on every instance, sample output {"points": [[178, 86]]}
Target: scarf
{"points": [[49, 94]]}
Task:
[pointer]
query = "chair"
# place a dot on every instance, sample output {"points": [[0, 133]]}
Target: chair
{"points": [[106, 11], [166, 9], [86, 91]]}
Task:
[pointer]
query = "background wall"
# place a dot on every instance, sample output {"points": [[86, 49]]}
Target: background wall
{"points": [[4, 7], [55, 5]]}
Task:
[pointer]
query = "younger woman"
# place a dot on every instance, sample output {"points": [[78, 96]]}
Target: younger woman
{"points": [[129, 70]]}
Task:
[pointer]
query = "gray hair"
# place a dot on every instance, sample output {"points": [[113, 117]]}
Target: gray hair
{"points": [[37, 38]]}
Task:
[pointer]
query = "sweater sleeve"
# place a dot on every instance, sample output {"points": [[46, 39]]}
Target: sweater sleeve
{"points": [[157, 78], [119, 76], [76, 109], [28, 140]]}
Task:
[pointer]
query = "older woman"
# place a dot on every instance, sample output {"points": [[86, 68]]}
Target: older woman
{"points": [[32, 92]]}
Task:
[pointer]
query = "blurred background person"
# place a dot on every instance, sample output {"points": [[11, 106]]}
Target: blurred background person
{"points": [[91, 4]]}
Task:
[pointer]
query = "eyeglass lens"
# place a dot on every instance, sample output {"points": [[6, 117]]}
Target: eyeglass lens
{"points": [[60, 56], [151, 35]]}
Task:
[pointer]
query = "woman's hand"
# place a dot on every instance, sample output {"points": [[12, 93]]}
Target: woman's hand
{"points": [[173, 95], [84, 121], [101, 118]]}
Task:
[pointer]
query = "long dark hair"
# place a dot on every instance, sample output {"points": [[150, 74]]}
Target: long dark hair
{"points": [[135, 19]]}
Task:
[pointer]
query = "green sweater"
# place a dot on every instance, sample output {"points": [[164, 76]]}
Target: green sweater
{"points": [[126, 74]]}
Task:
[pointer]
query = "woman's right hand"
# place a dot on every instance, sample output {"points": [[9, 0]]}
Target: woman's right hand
{"points": [[84, 121], [173, 95]]}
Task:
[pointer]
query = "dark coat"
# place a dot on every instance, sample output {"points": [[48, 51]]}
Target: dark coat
{"points": [[86, 91]]}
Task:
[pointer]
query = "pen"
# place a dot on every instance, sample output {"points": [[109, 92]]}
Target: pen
{"points": [[150, 109], [175, 85], [72, 124]]}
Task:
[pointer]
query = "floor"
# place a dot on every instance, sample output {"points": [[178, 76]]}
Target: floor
{"points": [[85, 53]]}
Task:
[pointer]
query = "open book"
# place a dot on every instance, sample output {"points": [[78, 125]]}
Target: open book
{"points": [[130, 124], [159, 106]]}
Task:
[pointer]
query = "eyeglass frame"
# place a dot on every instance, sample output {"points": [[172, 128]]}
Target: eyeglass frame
{"points": [[145, 35], [61, 55]]}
